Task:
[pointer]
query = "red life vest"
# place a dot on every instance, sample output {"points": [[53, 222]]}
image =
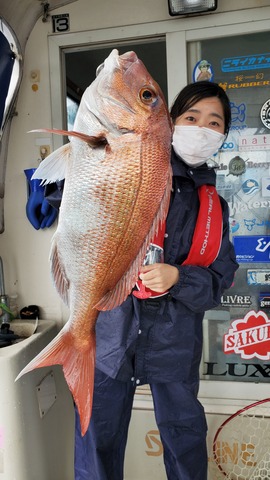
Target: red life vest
{"points": [[206, 240]]}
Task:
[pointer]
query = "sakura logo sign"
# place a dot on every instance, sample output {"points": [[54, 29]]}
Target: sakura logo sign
{"points": [[249, 337]]}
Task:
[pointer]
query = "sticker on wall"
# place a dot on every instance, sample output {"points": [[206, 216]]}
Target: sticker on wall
{"points": [[238, 112], [250, 224], [241, 82], [250, 187], [255, 222], [202, 71], [228, 146], [265, 114], [258, 277], [249, 337], [234, 225], [265, 187], [253, 142], [264, 300], [236, 301], [246, 62], [237, 166], [252, 248]]}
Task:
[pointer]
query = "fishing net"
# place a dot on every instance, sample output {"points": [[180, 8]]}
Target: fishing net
{"points": [[241, 446]]}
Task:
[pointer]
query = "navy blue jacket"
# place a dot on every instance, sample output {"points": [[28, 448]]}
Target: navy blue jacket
{"points": [[160, 340]]}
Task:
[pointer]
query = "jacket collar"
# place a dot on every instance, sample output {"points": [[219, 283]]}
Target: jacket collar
{"points": [[202, 175]]}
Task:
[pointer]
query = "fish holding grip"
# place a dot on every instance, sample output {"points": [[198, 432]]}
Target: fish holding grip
{"points": [[154, 254]]}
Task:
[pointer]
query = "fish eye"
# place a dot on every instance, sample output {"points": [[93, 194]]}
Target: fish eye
{"points": [[147, 95], [99, 68]]}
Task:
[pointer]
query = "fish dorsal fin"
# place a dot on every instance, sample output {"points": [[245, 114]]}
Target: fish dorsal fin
{"points": [[123, 288], [60, 279], [53, 167]]}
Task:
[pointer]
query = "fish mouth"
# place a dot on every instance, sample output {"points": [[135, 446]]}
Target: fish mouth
{"points": [[114, 59]]}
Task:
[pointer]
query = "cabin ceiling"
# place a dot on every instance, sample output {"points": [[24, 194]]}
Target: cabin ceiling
{"points": [[22, 15]]}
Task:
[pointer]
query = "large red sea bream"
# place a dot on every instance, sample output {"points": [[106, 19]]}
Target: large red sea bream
{"points": [[117, 188]]}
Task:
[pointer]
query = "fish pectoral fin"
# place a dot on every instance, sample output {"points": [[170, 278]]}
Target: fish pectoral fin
{"points": [[60, 279], [93, 140], [61, 351], [97, 141], [53, 167]]}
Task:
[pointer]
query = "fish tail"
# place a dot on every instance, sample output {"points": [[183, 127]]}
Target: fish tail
{"points": [[78, 368]]}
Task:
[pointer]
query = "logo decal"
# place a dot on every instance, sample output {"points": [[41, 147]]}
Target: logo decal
{"points": [[254, 142], [237, 166], [238, 112], [153, 442], [235, 300], [247, 62], [264, 300], [265, 114], [249, 337], [265, 187], [252, 248], [258, 277], [250, 186], [234, 225], [203, 71]]}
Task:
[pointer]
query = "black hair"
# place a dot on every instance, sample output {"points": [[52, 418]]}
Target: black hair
{"points": [[194, 92]]}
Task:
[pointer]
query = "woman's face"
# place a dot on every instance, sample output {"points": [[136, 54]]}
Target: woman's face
{"points": [[205, 113]]}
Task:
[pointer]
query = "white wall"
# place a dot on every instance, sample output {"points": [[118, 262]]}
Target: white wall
{"points": [[23, 249]]}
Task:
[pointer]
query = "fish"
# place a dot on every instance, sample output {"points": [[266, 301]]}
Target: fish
{"points": [[118, 180]]}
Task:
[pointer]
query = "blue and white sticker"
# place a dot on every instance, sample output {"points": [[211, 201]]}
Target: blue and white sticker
{"points": [[258, 277], [265, 187], [252, 248], [264, 300]]}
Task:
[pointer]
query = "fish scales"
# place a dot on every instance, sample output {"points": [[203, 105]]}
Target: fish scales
{"points": [[117, 189]]}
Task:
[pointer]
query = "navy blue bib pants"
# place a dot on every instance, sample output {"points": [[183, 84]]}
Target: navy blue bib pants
{"points": [[99, 455]]}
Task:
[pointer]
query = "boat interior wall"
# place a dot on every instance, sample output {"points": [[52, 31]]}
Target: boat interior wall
{"points": [[20, 17]]}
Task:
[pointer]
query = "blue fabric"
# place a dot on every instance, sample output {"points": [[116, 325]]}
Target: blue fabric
{"points": [[99, 455], [39, 211], [6, 65]]}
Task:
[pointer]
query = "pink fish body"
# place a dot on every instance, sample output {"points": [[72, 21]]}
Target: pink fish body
{"points": [[117, 188]]}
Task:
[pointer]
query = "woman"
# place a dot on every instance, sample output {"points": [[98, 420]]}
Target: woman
{"points": [[158, 340]]}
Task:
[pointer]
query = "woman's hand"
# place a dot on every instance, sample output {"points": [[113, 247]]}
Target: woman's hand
{"points": [[159, 277]]}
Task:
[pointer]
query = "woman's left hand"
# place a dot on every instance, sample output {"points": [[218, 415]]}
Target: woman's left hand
{"points": [[159, 277]]}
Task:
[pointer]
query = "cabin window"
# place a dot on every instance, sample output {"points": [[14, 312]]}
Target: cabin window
{"points": [[241, 65]]}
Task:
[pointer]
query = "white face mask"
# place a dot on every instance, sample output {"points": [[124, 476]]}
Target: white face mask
{"points": [[195, 145]]}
